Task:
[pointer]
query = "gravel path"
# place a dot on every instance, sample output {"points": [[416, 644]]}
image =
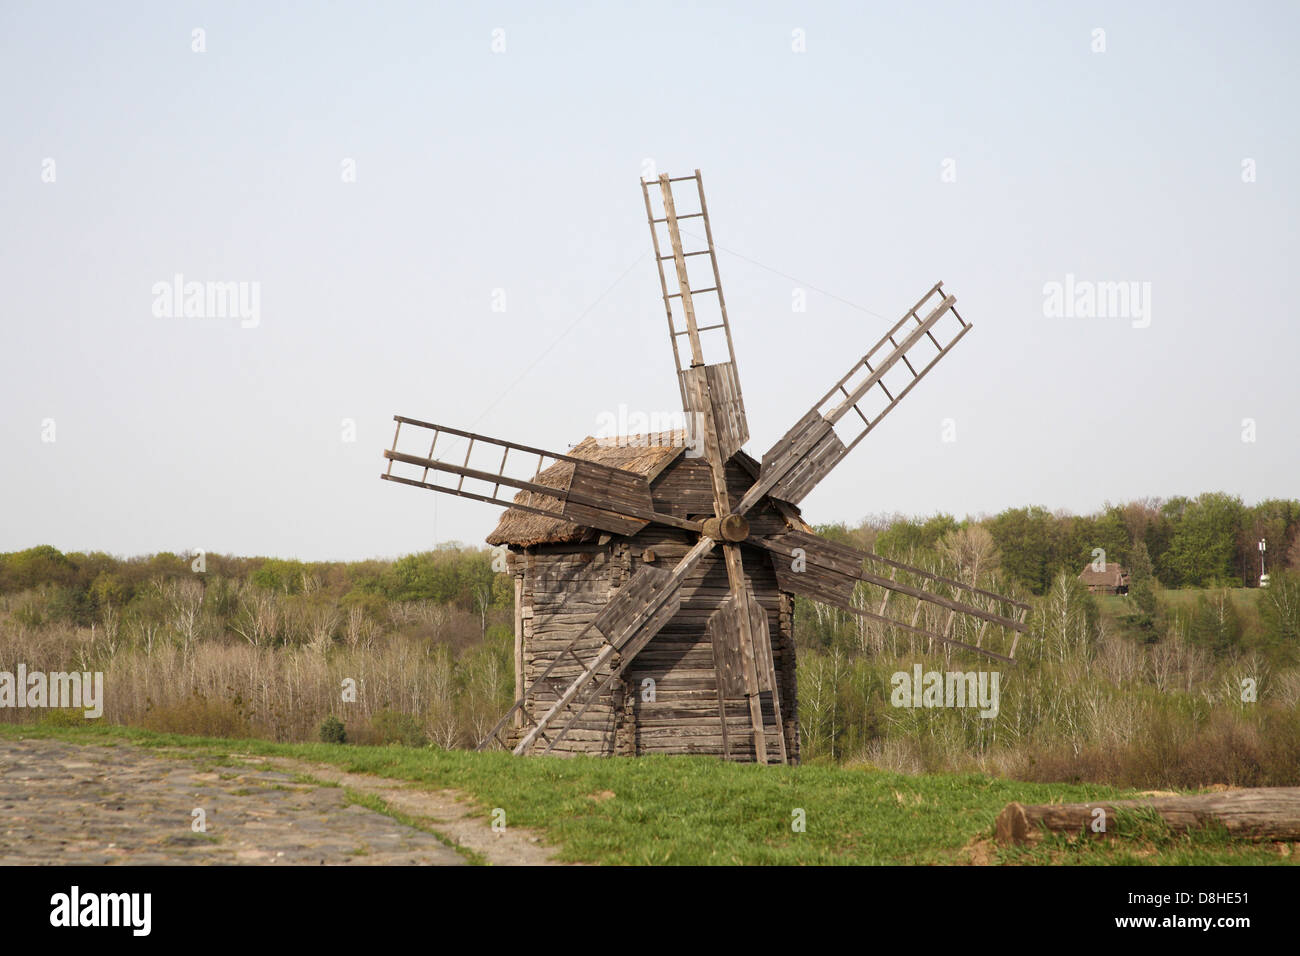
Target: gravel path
{"points": [[65, 803]]}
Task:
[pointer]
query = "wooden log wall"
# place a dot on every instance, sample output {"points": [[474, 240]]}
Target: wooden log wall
{"points": [[684, 717], [565, 586]]}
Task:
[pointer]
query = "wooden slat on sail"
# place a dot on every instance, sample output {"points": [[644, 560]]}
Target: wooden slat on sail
{"points": [[623, 492], [728, 655]]}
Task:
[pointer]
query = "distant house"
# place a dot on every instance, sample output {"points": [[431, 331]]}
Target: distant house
{"points": [[1113, 580]]}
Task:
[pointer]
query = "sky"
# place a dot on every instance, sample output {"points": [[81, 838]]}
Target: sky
{"points": [[434, 210]]}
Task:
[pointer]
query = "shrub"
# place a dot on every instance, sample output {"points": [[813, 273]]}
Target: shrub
{"points": [[393, 727], [332, 731], [198, 716], [74, 605], [65, 717], [275, 574]]}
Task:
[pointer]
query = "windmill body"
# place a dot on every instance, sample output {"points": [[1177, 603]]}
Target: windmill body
{"points": [[674, 694], [655, 575]]}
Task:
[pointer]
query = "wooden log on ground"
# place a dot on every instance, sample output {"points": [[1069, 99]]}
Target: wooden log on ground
{"points": [[1261, 813]]}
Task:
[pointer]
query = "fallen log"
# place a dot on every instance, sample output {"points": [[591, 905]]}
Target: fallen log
{"points": [[1260, 813]]}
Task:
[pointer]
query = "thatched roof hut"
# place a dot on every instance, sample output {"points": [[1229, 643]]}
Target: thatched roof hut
{"points": [[1112, 580]]}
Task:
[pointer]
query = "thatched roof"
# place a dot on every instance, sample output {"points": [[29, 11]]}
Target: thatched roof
{"points": [[643, 454], [1113, 577]]}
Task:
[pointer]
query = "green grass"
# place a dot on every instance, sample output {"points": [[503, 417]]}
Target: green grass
{"points": [[1117, 609], [699, 810], [1245, 600]]}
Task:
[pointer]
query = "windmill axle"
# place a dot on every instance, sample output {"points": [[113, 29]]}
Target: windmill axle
{"points": [[733, 528]]}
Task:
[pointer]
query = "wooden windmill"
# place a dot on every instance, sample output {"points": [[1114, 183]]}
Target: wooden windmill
{"points": [[655, 575]]}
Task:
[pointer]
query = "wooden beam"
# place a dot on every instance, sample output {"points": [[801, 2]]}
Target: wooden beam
{"points": [[519, 643], [912, 628], [1259, 813], [663, 286], [736, 580], [683, 279]]}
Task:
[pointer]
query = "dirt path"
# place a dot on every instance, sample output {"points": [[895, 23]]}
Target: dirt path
{"points": [[64, 803], [446, 811]]}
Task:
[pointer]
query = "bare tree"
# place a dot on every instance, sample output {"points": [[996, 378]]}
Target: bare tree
{"points": [[483, 600], [259, 617], [322, 622], [112, 621], [971, 551], [186, 600], [442, 722]]}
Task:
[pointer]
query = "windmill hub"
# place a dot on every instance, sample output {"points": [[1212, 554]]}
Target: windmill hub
{"points": [[731, 527]]}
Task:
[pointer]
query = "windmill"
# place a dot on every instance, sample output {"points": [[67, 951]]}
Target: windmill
{"points": [[655, 574]]}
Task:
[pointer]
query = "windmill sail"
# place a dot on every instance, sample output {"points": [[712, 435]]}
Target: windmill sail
{"points": [[705, 387], [870, 389], [828, 573], [712, 399], [581, 491]]}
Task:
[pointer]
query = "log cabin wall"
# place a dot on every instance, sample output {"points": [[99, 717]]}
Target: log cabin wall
{"points": [[667, 700], [683, 716], [564, 587], [685, 489]]}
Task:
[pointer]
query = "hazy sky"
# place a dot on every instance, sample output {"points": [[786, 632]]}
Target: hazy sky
{"points": [[127, 158]]}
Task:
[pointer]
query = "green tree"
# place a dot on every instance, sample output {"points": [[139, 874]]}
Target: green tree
{"points": [[276, 574], [1024, 537], [1215, 622], [1275, 522], [908, 536], [1279, 610], [1066, 620], [1141, 583], [1160, 539], [449, 575], [1111, 534], [34, 567], [1202, 552]]}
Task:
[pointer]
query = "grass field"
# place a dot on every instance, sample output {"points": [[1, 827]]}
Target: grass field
{"points": [[1245, 600], [698, 810], [1117, 608]]}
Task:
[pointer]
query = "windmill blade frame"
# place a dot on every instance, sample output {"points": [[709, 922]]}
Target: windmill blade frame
{"points": [[810, 449], [703, 386], [831, 571], [595, 495]]}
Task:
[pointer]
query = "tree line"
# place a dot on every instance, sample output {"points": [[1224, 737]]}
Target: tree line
{"points": [[1208, 541], [77, 587]]}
